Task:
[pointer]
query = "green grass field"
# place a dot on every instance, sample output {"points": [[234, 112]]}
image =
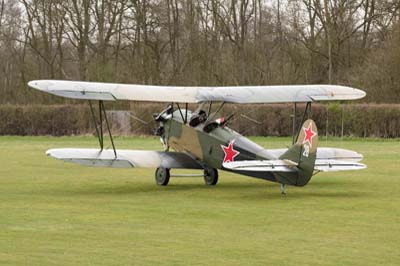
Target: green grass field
{"points": [[54, 213]]}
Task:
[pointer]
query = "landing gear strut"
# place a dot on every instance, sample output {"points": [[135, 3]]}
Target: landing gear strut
{"points": [[162, 176], [210, 176], [283, 192]]}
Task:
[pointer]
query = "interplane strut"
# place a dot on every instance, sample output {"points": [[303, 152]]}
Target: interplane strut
{"points": [[99, 126]]}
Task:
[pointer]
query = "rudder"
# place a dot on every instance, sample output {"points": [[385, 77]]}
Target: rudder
{"points": [[304, 153]]}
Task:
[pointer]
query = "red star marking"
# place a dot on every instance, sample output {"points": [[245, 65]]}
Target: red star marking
{"points": [[230, 153], [309, 134]]}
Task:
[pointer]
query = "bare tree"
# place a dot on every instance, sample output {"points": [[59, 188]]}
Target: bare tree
{"points": [[79, 30], [199, 42]]}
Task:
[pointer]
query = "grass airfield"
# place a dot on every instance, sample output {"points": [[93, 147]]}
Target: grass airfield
{"points": [[54, 213]]}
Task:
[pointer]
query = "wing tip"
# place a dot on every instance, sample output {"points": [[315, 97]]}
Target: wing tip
{"points": [[359, 93]]}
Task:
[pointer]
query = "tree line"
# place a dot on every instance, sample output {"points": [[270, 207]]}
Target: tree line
{"points": [[200, 42], [354, 120]]}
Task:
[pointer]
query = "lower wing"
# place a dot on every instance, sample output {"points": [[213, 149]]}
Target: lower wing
{"points": [[125, 158]]}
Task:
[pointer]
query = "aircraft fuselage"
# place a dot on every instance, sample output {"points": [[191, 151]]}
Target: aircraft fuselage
{"points": [[213, 148]]}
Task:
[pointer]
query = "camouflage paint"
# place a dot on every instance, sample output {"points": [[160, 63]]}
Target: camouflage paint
{"points": [[207, 149], [207, 146]]}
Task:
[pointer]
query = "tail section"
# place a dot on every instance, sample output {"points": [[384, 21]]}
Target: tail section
{"points": [[304, 153]]}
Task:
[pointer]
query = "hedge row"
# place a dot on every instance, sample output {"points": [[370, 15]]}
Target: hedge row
{"points": [[361, 120]]}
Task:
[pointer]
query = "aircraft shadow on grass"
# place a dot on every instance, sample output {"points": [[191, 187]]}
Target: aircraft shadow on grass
{"points": [[225, 190]]}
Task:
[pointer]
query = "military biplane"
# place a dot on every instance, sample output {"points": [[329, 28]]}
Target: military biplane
{"points": [[201, 139]]}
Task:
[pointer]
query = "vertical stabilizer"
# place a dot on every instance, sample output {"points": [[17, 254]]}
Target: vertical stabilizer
{"points": [[304, 153]]}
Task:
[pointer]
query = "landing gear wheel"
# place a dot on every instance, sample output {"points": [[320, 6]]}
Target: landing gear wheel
{"points": [[210, 176], [162, 176]]}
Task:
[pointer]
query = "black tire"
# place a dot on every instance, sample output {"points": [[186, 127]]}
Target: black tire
{"points": [[210, 176], [162, 176]]}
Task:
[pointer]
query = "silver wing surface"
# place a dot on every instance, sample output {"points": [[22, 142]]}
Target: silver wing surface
{"points": [[233, 94], [324, 153], [328, 160], [125, 158], [282, 166], [337, 165], [262, 166]]}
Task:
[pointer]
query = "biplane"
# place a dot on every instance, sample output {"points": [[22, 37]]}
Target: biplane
{"points": [[200, 138]]}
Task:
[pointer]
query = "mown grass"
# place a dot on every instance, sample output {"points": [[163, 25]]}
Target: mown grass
{"points": [[53, 213]]}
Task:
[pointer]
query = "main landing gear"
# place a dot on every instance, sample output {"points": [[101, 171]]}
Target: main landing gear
{"points": [[283, 192], [162, 176], [210, 176]]}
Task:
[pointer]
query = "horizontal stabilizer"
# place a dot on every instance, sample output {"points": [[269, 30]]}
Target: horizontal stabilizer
{"points": [[262, 166], [326, 154], [125, 158], [335, 165], [289, 166], [233, 94]]}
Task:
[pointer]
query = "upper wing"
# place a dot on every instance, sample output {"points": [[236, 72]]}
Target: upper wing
{"points": [[234, 94], [125, 158]]}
